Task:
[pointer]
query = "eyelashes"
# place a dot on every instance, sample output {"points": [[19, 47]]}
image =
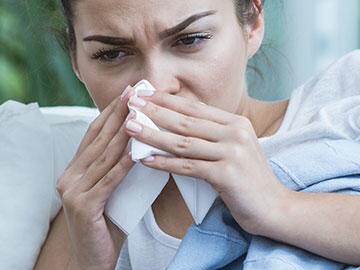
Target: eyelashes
{"points": [[109, 54], [192, 40], [186, 43]]}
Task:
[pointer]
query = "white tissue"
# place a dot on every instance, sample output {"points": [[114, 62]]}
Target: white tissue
{"points": [[139, 189], [141, 150]]}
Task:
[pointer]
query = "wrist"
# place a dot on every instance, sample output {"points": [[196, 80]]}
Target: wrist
{"points": [[275, 218], [262, 212]]}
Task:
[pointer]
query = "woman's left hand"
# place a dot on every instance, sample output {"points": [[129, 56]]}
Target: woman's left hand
{"points": [[217, 146]]}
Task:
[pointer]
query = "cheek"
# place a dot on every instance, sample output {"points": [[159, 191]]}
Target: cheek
{"points": [[229, 75], [102, 90], [223, 79], [103, 87]]}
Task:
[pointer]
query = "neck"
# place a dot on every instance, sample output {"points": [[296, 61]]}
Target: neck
{"points": [[171, 212], [266, 117]]}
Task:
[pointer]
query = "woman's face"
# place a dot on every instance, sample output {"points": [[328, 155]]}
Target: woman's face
{"points": [[194, 48]]}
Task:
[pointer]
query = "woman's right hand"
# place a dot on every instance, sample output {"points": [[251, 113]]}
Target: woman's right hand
{"points": [[99, 165]]}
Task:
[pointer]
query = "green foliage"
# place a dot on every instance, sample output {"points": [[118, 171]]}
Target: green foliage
{"points": [[33, 66]]}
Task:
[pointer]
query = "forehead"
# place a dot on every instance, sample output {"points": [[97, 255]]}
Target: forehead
{"points": [[143, 13]]}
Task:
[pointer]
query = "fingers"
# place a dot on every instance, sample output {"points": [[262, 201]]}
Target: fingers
{"points": [[102, 133], [103, 187], [178, 145], [188, 107], [107, 184], [105, 161], [190, 137], [183, 166], [182, 124], [95, 127]]}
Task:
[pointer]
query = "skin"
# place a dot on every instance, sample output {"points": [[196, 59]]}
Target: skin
{"points": [[214, 127]]}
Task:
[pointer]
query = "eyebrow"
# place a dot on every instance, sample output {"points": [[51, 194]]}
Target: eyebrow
{"points": [[118, 41], [181, 26], [110, 40]]}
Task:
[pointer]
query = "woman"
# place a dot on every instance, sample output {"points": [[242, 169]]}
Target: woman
{"points": [[195, 54]]}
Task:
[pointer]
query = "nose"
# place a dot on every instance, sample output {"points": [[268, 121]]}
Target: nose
{"points": [[162, 75]]}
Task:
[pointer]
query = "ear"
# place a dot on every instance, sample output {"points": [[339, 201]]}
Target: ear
{"points": [[75, 65], [256, 31], [73, 57]]}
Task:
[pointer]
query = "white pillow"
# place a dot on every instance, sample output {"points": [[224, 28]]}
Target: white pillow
{"points": [[35, 147]]}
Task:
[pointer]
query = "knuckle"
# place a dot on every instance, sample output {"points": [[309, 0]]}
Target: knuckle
{"points": [[75, 204], [188, 165], [102, 139], [60, 184], [107, 179], [237, 153], [65, 182], [241, 121], [94, 128], [101, 160], [60, 187], [242, 135], [98, 140], [67, 198], [183, 144], [187, 123]]}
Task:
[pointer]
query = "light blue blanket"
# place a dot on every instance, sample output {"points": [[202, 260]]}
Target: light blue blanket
{"points": [[219, 243]]}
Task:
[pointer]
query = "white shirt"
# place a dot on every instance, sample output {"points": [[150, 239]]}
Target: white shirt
{"points": [[148, 247]]}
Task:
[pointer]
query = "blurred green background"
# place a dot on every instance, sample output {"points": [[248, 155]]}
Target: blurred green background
{"points": [[35, 68]]}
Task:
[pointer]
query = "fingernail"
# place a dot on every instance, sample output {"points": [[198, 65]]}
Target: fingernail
{"points": [[137, 102], [124, 94], [133, 126], [149, 159], [145, 93]]}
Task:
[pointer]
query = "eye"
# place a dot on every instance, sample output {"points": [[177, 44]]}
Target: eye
{"points": [[109, 55], [192, 40]]}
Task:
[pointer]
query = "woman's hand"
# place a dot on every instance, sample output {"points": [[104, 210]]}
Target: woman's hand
{"points": [[214, 145], [99, 165]]}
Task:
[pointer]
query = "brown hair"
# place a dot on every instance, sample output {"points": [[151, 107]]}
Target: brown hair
{"points": [[247, 11]]}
